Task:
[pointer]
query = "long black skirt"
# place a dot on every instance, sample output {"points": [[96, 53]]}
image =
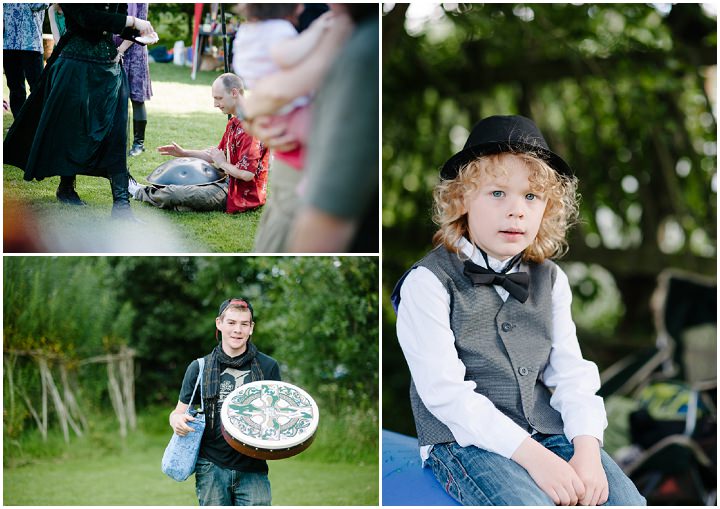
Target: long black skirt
{"points": [[82, 128]]}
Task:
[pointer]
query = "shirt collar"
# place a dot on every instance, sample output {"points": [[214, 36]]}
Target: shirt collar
{"points": [[468, 249]]}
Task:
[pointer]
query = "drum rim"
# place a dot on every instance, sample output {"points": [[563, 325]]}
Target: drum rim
{"points": [[222, 179], [279, 445]]}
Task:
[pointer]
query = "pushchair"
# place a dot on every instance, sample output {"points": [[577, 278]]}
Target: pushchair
{"points": [[673, 428]]}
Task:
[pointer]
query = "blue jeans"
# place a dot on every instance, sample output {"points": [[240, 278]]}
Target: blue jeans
{"points": [[215, 485], [474, 476]]}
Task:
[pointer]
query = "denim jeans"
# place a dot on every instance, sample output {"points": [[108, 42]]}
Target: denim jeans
{"points": [[215, 485], [474, 476]]}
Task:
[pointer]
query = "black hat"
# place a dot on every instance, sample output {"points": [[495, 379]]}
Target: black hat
{"points": [[241, 302], [504, 133]]}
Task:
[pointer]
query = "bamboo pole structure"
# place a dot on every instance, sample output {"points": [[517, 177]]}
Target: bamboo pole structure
{"points": [[121, 389]]}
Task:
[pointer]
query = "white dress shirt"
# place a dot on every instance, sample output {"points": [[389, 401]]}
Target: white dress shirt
{"points": [[423, 330]]}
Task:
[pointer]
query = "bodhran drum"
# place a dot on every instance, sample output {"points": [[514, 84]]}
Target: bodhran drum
{"points": [[269, 419]]}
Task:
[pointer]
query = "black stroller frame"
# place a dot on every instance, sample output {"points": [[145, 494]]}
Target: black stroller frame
{"points": [[681, 301]]}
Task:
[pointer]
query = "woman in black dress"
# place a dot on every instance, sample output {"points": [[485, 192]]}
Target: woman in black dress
{"points": [[77, 123]]}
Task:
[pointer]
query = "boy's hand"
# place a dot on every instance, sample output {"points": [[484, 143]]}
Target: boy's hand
{"points": [[178, 423], [550, 472], [587, 464]]}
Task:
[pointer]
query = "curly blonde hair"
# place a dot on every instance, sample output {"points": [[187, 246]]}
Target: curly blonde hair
{"points": [[559, 191]]}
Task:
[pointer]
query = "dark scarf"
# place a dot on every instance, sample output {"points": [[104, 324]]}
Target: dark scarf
{"points": [[516, 284], [211, 374]]}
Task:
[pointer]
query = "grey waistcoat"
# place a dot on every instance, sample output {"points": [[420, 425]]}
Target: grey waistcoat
{"points": [[505, 346]]}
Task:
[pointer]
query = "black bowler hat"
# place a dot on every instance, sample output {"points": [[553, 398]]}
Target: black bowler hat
{"points": [[504, 133]]}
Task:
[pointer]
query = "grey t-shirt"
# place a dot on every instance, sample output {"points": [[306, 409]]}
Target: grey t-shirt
{"points": [[342, 161]]}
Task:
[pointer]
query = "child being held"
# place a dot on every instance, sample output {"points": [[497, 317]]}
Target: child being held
{"points": [[484, 323], [268, 43]]}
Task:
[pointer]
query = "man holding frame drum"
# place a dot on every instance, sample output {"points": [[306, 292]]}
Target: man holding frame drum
{"points": [[223, 476]]}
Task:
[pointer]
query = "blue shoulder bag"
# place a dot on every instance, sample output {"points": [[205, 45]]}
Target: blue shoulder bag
{"points": [[181, 454]]}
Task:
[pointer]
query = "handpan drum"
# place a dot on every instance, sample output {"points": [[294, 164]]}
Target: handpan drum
{"points": [[269, 419], [185, 171]]}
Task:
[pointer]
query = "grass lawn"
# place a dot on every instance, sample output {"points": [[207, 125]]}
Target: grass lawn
{"points": [[180, 110], [100, 469], [133, 477]]}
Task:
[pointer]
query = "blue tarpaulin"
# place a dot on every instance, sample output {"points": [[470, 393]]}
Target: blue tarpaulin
{"points": [[404, 481]]}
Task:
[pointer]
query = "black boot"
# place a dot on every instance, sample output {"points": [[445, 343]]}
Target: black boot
{"points": [[66, 192], [121, 197], [138, 146]]}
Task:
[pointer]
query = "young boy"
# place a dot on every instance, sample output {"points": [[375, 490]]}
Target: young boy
{"points": [[224, 476], [485, 326]]}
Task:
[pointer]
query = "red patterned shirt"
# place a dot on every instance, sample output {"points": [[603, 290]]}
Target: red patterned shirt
{"points": [[248, 154]]}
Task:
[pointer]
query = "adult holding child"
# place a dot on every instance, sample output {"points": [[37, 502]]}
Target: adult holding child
{"points": [[77, 124], [300, 66]]}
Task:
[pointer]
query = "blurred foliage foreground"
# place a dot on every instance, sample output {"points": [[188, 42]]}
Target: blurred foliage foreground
{"points": [[624, 92], [318, 316]]}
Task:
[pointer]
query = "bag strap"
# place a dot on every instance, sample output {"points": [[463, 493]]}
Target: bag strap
{"points": [[198, 381]]}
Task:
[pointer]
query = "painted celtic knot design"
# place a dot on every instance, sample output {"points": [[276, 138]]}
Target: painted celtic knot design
{"points": [[270, 412]]}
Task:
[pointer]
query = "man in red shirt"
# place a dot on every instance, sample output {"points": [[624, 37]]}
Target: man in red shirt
{"points": [[243, 158]]}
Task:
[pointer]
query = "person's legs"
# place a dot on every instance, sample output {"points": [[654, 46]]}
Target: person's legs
{"points": [[160, 197], [13, 67], [32, 67], [251, 488], [474, 476], [139, 124], [114, 158], [212, 483], [279, 212], [207, 198], [66, 192], [621, 490]]}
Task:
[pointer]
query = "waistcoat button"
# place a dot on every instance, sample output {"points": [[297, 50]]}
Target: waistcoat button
{"points": [[506, 326], [523, 371]]}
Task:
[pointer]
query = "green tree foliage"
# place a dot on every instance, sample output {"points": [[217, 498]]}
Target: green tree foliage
{"points": [[317, 315], [171, 327], [620, 90], [60, 306], [624, 92], [174, 21], [324, 325]]}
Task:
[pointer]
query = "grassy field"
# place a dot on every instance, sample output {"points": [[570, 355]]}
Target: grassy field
{"points": [[102, 469], [180, 110], [133, 477]]}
